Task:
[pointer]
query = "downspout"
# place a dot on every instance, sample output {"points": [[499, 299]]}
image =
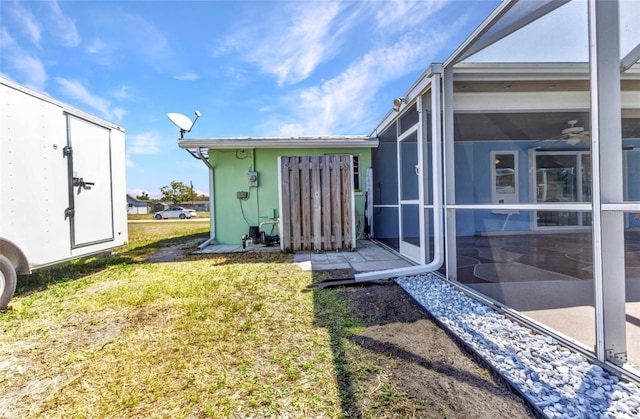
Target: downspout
{"points": [[212, 208], [436, 150]]}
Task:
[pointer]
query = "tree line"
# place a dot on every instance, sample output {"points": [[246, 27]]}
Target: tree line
{"points": [[176, 192]]}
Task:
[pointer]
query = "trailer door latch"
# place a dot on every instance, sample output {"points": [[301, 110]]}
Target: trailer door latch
{"points": [[78, 181], [69, 212]]}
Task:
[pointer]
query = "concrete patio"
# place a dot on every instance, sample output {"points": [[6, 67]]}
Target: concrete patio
{"points": [[367, 256]]}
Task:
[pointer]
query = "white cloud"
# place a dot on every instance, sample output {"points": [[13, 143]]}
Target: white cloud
{"points": [[187, 77], [28, 22], [31, 69], [97, 46], [305, 43], [290, 46], [399, 15], [117, 114], [64, 26], [6, 40], [121, 94], [343, 104], [144, 143], [136, 192], [77, 91], [156, 50]]}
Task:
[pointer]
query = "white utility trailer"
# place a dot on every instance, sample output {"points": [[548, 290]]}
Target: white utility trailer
{"points": [[62, 184]]}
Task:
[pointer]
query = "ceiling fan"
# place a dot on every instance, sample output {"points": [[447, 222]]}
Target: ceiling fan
{"points": [[572, 135]]}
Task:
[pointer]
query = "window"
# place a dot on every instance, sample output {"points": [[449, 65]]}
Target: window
{"points": [[504, 179], [563, 176], [356, 173]]}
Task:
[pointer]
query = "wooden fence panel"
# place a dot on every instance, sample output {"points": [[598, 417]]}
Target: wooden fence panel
{"points": [[316, 204], [326, 201], [336, 207], [316, 207], [305, 197], [285, 208], [295, 203]]}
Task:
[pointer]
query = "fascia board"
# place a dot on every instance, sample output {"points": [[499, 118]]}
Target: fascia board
{"points": [[521, 71], [278, 142], [533, 101], [520, 101]]}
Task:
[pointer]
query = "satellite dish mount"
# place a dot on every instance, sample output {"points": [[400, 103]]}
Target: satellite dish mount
{"points": [[183, 122]]}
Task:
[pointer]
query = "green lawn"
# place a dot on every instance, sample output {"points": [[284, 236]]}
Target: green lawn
{"points": [[203, 336]]}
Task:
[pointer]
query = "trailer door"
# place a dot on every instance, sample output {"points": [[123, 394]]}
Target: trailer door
{"points": [[90, 189]]}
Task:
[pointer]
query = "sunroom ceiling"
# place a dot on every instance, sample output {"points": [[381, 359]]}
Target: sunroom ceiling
{"points": [[526, 126]]}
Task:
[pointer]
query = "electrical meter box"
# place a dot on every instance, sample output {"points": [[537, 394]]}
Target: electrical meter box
{"points": [[253, 178]]}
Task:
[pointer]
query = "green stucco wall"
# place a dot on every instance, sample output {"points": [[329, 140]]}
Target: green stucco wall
{"points": [[230, 177]]}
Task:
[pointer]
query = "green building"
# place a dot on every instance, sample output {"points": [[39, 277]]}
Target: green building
{"points": [[245, 185]]}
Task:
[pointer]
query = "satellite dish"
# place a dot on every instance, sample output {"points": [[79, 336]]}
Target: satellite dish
{"points": [[183, 122]]}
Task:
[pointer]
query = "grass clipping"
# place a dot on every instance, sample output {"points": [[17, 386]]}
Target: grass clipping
{"points": [[200, 337]]}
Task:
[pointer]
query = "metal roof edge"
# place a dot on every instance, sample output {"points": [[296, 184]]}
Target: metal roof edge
{"points": [[356, 141]]}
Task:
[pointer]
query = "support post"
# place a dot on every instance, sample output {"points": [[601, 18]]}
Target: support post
{"points": [[607, 187]]}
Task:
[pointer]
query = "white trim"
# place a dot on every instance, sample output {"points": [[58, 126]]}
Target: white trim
{"points": [[521, 101], [279, 142], [630, 59], [353, 207], [608, 227]]}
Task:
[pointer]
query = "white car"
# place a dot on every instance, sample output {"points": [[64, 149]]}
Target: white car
{"points": [[175, 212]]}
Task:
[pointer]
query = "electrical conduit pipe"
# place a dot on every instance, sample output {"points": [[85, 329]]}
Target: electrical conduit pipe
{"points": [[212, 208]]}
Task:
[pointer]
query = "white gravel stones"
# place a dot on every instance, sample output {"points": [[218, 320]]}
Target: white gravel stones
{"points": [[559, 382]]}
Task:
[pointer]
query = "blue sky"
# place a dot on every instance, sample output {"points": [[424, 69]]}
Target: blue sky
{"points": [[252, 68]]}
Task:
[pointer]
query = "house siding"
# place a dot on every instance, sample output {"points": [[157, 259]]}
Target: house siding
{"points": [[233, 216]]}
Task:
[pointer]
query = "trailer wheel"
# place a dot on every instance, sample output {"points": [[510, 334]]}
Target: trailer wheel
{"points": [[158, 217], [8, 280]]}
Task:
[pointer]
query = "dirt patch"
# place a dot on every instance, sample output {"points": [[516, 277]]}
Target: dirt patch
{"points": [[174, 252], [418, 360]]}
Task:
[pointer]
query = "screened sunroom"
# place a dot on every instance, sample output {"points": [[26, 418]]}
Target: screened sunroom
{"points": [[513, 169]]}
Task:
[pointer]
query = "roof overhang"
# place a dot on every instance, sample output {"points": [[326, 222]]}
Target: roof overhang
{"points": [[353, 141]]}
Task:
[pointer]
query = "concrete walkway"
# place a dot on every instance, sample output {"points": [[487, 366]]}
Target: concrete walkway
{"points": [[367, 256]]}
